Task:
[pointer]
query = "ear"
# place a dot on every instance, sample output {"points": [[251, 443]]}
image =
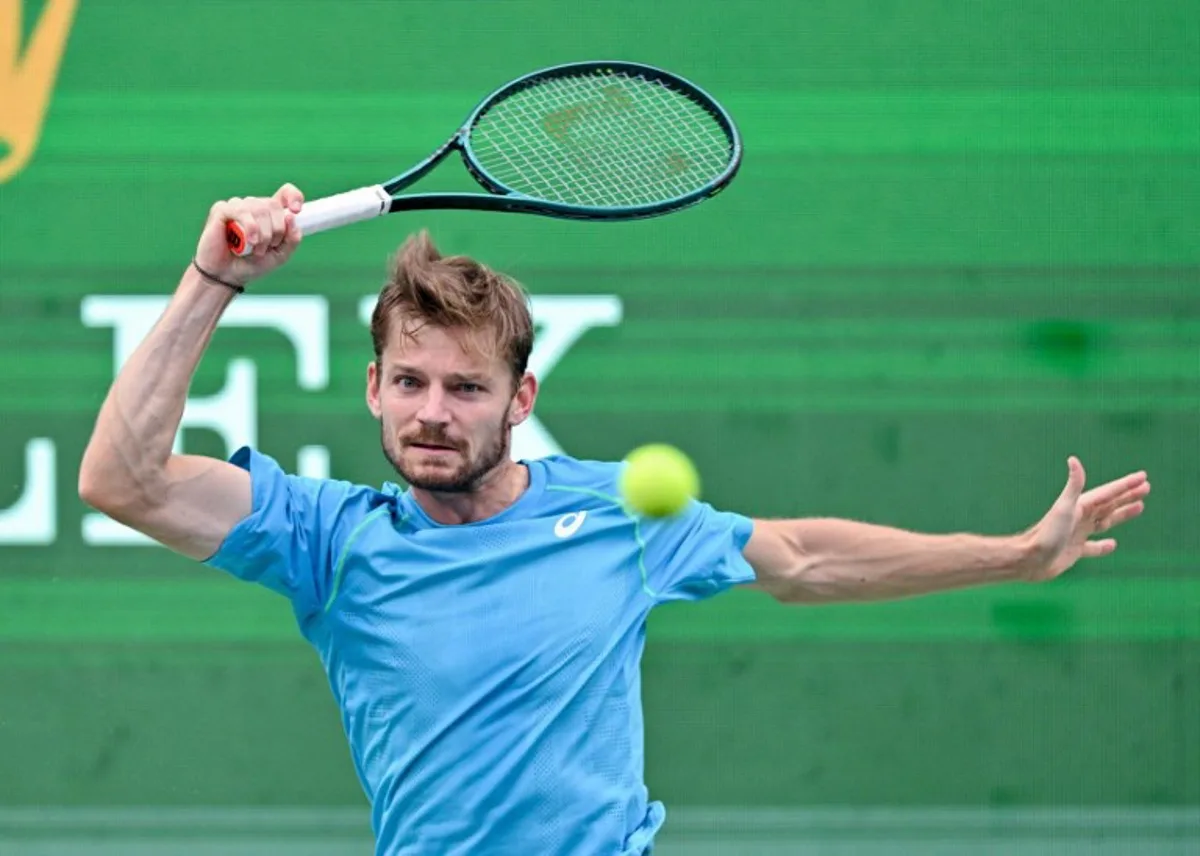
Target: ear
{"points": [[373, 381], [522, 403]]}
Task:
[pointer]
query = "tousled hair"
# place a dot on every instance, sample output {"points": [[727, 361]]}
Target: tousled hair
{"points": [[454, 293]]}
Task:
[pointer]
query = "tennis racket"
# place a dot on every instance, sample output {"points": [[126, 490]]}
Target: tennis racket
{"points": [[585, 141]]}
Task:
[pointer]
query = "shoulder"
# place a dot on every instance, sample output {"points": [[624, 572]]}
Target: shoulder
{"points": [[565, 473], [571, 484], [326, 497]]}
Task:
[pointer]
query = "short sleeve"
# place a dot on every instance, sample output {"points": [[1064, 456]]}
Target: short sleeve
{"points": [[286, 543], [697, 553]]}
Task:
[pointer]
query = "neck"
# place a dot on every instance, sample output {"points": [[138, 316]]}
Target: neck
{"points": [[495, 492]]}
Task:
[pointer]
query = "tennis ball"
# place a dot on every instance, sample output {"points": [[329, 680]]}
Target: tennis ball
{"points": [[658, 480]]}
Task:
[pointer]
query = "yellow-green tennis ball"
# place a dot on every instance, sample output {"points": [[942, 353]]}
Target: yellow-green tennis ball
{"points": [[658, 480]]}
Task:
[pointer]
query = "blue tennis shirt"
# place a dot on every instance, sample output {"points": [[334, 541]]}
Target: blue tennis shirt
{"points": [[487, 673]]}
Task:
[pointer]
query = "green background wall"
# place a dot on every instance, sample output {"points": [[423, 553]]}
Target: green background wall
{"points": [[963, 245]]}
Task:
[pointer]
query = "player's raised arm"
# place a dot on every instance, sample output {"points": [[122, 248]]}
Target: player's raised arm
{"points": [[129, 472]]}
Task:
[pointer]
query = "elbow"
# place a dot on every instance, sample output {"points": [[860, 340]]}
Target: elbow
{"points": [[796, 585], [778, 592], [804, 582], [87, 487], [110, 490], [95, 490], [90, 485], [96, 484], [783, 564], [792, 592]]}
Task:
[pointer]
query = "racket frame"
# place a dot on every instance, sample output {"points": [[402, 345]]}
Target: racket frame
{"points": [[372, 201], [504, 198]]}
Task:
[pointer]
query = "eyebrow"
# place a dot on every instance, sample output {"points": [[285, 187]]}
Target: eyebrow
{"points": [[456, 377], [468, 377]]}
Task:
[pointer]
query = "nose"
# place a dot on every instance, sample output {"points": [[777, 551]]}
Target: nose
{"points": [[433, 409]]}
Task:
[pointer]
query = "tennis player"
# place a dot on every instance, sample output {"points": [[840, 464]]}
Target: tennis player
{"points": [[482, 628]]}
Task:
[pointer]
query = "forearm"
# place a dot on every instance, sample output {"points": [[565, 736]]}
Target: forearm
{"points": [[136, 427], [844, 560]]}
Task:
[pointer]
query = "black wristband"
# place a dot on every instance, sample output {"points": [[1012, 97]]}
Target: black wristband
{"points": [[238, 288]]}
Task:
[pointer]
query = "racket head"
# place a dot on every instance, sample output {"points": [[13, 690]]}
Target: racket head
{"points": [[601, 140]]}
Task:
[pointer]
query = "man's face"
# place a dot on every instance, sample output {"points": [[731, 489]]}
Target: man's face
{"points": [[446, 411]]}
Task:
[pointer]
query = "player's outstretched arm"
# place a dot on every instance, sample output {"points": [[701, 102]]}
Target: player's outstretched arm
{"points": [[830, 560], [129, 471]]}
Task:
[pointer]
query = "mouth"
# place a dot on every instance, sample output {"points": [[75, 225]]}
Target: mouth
{"points": [[432, 448]]}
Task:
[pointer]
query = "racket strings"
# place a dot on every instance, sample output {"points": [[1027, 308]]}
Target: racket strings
{"points": [[651, 159], [618, 153], [601, 140], [509, 145], [598, 174], [580, 180]]}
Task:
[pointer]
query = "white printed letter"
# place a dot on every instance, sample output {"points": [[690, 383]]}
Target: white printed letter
{"points": [[31, 519]]}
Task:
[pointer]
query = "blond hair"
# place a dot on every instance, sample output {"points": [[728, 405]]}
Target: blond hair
{"points": [[454, 293]]}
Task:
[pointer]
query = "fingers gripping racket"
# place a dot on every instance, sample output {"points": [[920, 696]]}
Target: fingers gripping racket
{"points": [[588, 140]]}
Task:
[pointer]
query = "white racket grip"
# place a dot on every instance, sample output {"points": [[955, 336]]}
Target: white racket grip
{"points": [[341, 209], [321, 214]]}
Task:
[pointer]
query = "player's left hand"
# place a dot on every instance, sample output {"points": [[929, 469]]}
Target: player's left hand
{"points": [[1064, 535]]}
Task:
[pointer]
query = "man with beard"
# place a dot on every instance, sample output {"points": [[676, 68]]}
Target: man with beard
{"points": [[482, 628]]}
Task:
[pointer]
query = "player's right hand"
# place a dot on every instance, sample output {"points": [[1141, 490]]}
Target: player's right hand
{"points": [[270, 227]]}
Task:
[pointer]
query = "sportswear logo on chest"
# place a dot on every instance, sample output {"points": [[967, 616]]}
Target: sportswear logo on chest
{"points": [[569, 524]]}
